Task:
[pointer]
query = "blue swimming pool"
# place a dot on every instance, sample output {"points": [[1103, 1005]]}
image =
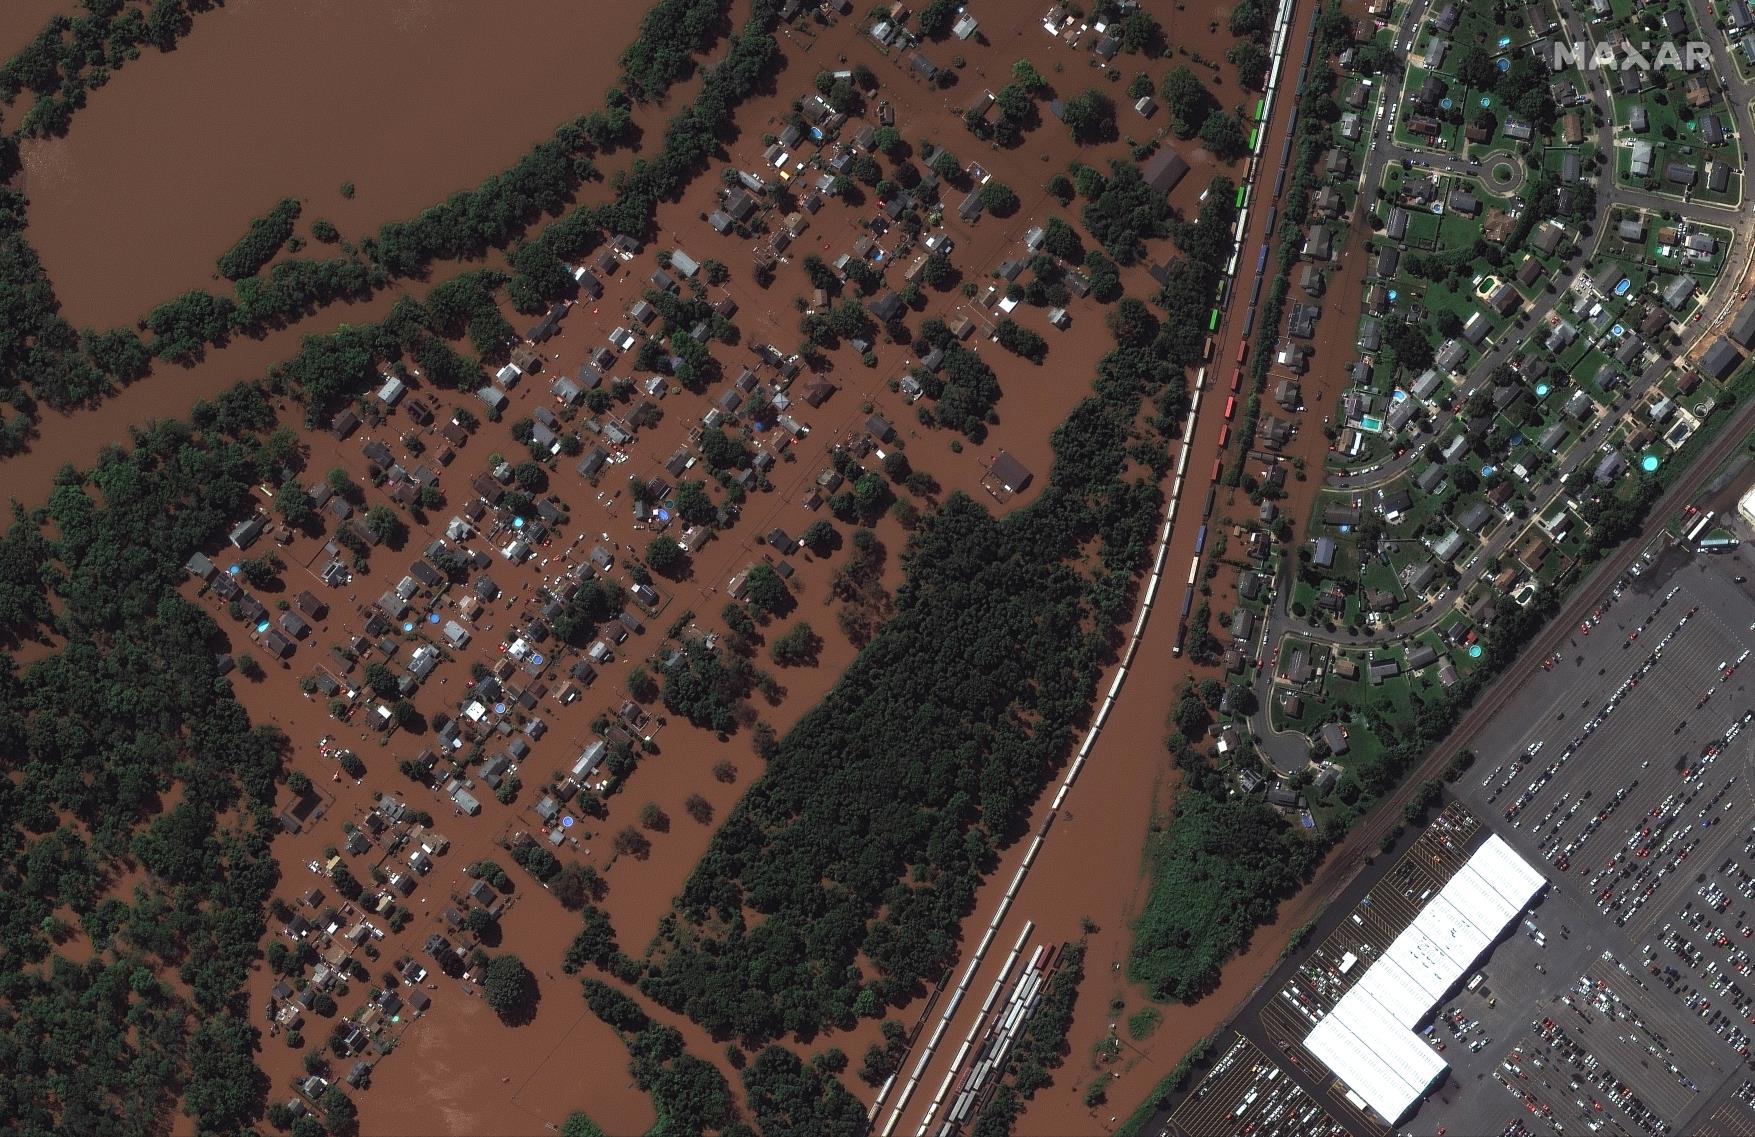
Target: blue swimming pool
{"points": [[1371, 423]]}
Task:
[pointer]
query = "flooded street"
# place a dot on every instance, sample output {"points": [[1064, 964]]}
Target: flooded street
{"points": [[409, 100], [126, 217]]}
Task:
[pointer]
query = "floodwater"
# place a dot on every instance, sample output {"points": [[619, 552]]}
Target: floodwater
{"points": [[168, 393], [1090, 866], [19, 21], [175, 203], [408, 99]]}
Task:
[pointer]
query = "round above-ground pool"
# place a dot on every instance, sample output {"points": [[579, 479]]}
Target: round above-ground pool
{"points": [[1504, 64], [1392, 295], [1649, 463], [1617, 329], [1542, 390], [1488, 471], [1474, 651]]}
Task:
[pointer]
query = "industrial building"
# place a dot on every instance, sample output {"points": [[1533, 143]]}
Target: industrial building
{"points": [[1368, 1040]]}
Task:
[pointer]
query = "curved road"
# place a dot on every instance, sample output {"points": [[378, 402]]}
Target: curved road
{"points": [[1288, 751]]}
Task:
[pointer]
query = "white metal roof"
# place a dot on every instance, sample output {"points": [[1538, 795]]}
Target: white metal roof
{"points": [[1368, 1040]]}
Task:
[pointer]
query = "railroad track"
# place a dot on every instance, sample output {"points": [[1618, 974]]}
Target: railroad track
{"points": [[1387, 814]]}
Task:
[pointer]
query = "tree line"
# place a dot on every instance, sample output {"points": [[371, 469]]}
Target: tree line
{"points": [[43, 358], [261, 242], [72, 55], [862, 844], [126, 711]]}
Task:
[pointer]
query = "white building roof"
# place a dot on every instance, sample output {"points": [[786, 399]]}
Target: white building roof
{"points": [[1368, 1039]]}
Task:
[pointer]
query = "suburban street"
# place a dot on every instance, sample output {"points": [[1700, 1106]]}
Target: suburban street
{"points": [[1288, 751]]}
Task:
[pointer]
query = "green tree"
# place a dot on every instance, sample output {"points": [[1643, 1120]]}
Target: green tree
{"points": [[798, 647], [1139, 32], [1251, 60], [509, 988], [764, 590], [385, 525], [1090, 116], [999, 199], [381, 680], [819, 537], [1248, 19], [294, 506], [936, 18], [664, 556], [340, 1115], [1187, 99], [693, 505], [1014, 337], [578, 1125], [1224, 135]]}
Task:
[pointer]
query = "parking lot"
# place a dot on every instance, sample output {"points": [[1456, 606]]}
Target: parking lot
{"points": [[1247, 1092], [1621, 771], [1622, 1000]]}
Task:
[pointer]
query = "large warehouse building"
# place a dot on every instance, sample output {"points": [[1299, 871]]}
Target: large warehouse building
{"points": [[1368, 1040]]}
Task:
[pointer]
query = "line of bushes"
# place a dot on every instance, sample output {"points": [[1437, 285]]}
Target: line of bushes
{"points": [[259, 245]]}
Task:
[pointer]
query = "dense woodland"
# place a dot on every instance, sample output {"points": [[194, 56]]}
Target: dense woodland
{"points": [[128, 711], [866, 837], [125, 714], [894, 795], [671, 33]]}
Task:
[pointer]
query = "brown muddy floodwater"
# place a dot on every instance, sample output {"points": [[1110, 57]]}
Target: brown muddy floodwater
{"points": [[22, 19], [408, 99]]}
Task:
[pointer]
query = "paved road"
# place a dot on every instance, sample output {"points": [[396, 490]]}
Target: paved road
{"points": [[1288, 751], [1737, 94]]}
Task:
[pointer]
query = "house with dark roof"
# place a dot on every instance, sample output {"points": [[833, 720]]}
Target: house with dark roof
{"points": [[1720, 360], [1163, 170], [886, 308]]}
